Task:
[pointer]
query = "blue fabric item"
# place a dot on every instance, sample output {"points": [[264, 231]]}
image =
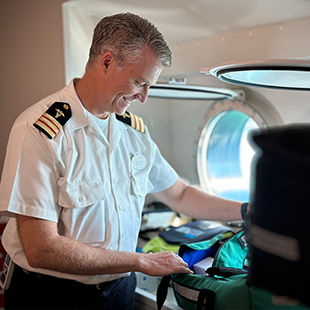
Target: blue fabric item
{"points": [[193, 253], [191, 257]]}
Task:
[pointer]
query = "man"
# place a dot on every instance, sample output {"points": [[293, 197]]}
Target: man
{"points": [[76, 175]]}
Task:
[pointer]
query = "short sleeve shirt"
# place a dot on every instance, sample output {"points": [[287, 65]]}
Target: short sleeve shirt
{"points": [[93, 187]]}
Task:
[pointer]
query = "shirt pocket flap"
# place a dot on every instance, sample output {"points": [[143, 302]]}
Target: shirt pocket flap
{"points": [[141, 186], [81, 195]]}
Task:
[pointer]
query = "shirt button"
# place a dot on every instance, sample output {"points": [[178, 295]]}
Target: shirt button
{"points": [[123, 235], [120, 207], [114, 180], [80, 198]]}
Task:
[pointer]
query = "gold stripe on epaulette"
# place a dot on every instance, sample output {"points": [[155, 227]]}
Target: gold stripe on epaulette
{"points": [[49, 124], [137, 123], [142, 125], [46, 128], [54, 120], [133, 121], [48, 120]]}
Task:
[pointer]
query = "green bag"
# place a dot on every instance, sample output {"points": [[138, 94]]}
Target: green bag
{"points": [[225, 286]]}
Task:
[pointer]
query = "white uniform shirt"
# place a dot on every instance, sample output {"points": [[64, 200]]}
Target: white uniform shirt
{"points": [[93, 189]]}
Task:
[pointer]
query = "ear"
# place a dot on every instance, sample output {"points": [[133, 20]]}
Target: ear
{"points": [[106, 61]]}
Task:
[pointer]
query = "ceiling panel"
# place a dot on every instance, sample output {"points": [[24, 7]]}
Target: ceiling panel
{"points": [[186, 20]]}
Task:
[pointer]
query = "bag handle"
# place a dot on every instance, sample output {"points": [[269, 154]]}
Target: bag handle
{"points": [[162, 291], [209, 297], [206, 297]]}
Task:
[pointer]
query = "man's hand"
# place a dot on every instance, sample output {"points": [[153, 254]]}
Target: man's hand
{"points": [[163, 263]]}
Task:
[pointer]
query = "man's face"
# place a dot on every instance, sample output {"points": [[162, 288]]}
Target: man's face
{"points": [[131, 82]]}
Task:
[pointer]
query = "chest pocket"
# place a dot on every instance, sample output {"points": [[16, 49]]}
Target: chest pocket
{"points": [[140, 186], [81, 195]]}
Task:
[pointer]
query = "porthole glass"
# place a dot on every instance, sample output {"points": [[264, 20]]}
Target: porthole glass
{"points": [[224, 152]]}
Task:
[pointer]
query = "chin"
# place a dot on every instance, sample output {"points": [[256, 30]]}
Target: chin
{"points": [[121, 111], [121, 107]]}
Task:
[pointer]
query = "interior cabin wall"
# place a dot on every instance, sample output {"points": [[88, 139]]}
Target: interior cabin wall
{"points": [[287, 40], [174, 123], [32, 58], [32, 66]]}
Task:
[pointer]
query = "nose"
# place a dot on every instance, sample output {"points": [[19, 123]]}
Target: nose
{"points": [[142, 95]]}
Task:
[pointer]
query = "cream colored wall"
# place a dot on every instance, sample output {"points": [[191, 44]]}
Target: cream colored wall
{"points": [[287, 40], [32, 58], [32, 66]]}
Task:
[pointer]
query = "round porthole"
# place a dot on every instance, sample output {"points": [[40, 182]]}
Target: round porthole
{"points": [[224, 154]]}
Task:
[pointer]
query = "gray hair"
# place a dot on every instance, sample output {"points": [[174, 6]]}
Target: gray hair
{"points": [[125, 35]]}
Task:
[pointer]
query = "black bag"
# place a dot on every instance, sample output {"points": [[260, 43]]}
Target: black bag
{"points": [[194, 232], [171, 237], [279, 222]]}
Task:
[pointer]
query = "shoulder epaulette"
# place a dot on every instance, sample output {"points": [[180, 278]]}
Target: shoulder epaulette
{"points": [[132, 120], [53, 119]]}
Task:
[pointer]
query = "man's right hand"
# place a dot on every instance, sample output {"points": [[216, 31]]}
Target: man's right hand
{"points": [[163, 263]]}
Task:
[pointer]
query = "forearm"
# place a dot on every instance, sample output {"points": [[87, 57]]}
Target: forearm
{"points": [[198, 204], [73, 257], [202, 206], [45, 248], [70, 256]]}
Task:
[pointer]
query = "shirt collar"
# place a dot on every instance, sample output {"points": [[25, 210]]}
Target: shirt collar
{"points": [[79, 117], [79, 113]]}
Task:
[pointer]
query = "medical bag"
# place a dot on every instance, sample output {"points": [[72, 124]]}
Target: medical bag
{"points": [[223, 285], [278, 225]]}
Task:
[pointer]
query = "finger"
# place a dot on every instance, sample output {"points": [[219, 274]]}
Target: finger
{"points": [[187, 270]]}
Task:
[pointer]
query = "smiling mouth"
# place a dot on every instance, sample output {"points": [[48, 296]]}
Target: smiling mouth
{"points": [[128, 101]]}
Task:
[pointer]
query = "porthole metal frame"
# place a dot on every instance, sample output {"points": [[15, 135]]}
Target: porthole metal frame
{"points": [[217, 111]]}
